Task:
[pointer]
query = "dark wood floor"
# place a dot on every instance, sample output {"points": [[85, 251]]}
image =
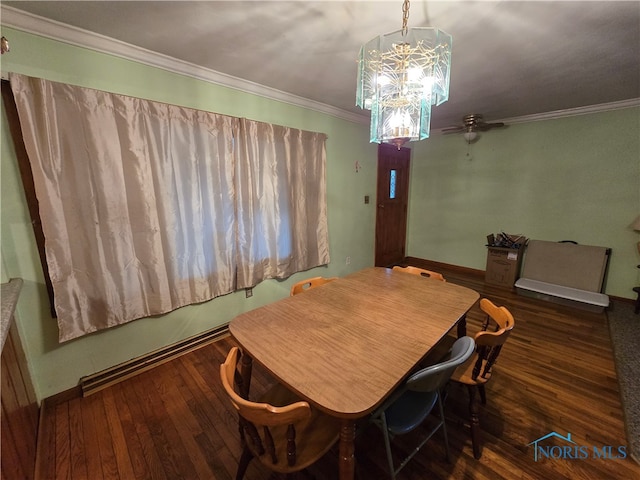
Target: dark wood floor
{"points": [[556, 373]]}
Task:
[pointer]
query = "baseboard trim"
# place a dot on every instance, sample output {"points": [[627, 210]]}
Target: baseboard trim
{"points": [[98, 381], [432, 265], [630, 301]]}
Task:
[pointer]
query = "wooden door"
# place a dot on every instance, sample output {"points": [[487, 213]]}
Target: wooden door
{"points": [[392, 200]]}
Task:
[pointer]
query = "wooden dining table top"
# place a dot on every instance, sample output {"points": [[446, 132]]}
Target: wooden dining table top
{"points": [[345, 346]]}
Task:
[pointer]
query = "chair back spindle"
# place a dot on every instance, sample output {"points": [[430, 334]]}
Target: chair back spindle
{"points": [[291, 445]]}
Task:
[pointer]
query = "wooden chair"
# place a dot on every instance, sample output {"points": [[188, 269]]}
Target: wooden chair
{"points": [[477, 372], [420, 271], [284, 433], [410, 405], [304, 285]]}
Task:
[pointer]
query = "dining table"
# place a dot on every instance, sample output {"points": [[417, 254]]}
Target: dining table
{"points": [[347, 345]]}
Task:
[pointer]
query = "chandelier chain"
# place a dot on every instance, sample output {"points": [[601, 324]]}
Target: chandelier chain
{"points": [[405, 16]]}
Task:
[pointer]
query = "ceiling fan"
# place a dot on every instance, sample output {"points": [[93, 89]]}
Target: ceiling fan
{"points": [[472, 124]]}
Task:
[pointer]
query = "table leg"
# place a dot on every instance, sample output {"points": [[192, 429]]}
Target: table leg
{"points": [[346, 459], [462, 326]]}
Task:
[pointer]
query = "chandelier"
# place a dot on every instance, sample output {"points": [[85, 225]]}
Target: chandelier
{"points": [[400, 75]]}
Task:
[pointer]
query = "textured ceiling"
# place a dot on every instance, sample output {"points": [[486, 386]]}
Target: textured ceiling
{"points": [[510, 58]]}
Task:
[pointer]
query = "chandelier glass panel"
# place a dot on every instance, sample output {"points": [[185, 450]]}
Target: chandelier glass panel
{"points": [[400, 76]]}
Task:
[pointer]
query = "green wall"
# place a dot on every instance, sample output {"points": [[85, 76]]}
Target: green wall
{"points": [[57, 367], [575, 178]]}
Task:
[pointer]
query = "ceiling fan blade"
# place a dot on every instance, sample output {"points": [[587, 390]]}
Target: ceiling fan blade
{"points": [[483, 127], [453, 130]]}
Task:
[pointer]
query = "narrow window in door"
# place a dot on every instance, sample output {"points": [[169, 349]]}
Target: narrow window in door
{"points": [[392, 184]]}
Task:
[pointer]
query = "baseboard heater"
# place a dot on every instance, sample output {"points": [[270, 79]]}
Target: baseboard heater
{"points": [[94, 383]]}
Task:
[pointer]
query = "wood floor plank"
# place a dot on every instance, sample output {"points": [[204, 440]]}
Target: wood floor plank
{"points": [[90, 435], [108, 443], [188, 428], [171, 451], [124, 466], [76, 440], [555, 373], [135, 403], [63, 458]]}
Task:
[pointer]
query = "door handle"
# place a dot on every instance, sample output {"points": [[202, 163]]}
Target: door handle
{"points": [[380, 205]]}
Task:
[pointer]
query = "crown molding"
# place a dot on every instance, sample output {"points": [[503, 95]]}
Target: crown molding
{"points": [[27, 22], [572, 112], [569, 112], [65, 33]]}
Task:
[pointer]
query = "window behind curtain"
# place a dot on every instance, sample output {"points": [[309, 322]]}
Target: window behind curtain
{"points": [[282, 218], [141, 202]]}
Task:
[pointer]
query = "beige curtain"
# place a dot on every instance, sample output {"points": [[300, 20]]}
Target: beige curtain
{"points": [[282, 218], [135, 202], [142, 208]]}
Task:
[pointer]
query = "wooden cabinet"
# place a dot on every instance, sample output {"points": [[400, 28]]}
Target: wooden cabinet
{"points": [[19, 422]]}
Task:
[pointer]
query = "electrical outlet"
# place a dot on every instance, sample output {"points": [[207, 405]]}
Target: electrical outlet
{"points": [[347, 261], [249, 292]]}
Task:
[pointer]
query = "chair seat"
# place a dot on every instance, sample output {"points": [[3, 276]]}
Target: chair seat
{"points": [[409, 411], [315, 435], [464, 373]]}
